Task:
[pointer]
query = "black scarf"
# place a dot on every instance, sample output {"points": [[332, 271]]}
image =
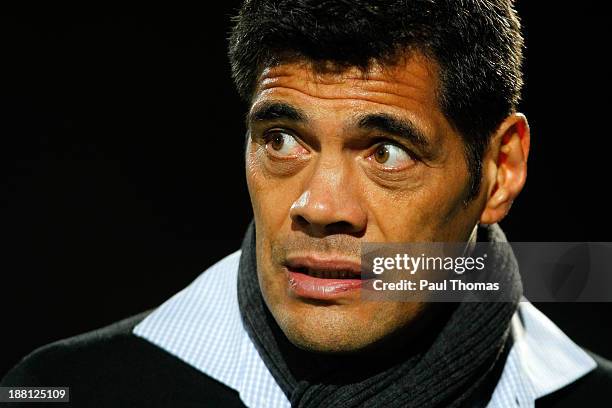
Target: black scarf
{"points": [[458, 367]]}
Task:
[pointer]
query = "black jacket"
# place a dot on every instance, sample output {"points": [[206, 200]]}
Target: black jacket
{"points": [[111, 367]]}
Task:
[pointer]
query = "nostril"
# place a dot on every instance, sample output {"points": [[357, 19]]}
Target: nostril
{"points": [[340, 227], [300, 220]]}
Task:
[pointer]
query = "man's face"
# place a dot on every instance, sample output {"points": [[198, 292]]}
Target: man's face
{"points": [[337, 159]]}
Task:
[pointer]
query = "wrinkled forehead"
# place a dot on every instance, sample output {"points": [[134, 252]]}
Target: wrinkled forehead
{"points": [[410, 73]]}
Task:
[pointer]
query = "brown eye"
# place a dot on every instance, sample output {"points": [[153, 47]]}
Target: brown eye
{"points": [[277, 141], [382, 154], [392, 156], [281, 144]]}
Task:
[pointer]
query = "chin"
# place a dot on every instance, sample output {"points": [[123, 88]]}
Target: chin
{"points": [[327, 331], [325, 343]]}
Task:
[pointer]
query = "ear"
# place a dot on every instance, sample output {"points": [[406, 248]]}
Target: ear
{"points": [[505, 167]]}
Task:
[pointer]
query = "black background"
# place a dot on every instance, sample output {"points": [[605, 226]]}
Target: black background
{"points": [[122, 137]]}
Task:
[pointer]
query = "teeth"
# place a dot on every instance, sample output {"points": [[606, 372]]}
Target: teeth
{"points": [[329, 274]]}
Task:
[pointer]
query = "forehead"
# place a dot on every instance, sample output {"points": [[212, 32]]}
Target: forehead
{"points": [[413, 70], [407, 88]]}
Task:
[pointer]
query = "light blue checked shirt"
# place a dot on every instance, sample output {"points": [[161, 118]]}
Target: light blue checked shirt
{"points": [[201, 325]]}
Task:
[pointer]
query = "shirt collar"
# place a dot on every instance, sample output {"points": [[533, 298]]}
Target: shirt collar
{"points": [[201, 325], [546, 357]]}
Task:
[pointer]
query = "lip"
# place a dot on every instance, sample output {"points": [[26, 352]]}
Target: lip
{"points": [[307, 286]]}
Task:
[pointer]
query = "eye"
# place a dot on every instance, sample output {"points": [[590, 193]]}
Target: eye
{"points": [[283, 144], [392, 156]]}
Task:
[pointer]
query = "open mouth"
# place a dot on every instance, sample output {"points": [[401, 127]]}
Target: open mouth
{"points": [[323, 278]]}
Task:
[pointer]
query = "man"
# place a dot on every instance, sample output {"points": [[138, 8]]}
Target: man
{"points": [[388, 121]]}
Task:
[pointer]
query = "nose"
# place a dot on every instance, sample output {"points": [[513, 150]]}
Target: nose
{"points": [[330, 203]]}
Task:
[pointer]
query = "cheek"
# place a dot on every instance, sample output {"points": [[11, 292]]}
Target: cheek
{"points": [[426, 213], [253, 184], [261, 188], [406, 217], [271, 199]]}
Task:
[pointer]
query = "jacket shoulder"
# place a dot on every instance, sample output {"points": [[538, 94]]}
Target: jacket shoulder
{"points": [[54, 360], [112, 365]]}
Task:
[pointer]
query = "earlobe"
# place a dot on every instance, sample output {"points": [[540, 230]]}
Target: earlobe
{"points": [[509, 162]]}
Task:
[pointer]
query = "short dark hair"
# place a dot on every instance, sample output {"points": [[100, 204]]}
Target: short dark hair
{"points": [[477, 45]]}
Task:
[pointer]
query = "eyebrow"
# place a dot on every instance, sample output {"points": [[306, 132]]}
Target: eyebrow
{"points": [[382, 122], [271, 110], [403, 128]]}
